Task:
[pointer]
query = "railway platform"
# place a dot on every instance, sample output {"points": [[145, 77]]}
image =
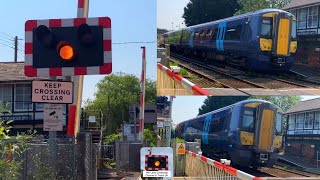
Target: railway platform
{"points": [[313, 73]]}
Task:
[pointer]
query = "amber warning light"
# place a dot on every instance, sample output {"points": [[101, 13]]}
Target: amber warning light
{"points": [[66, 51]]}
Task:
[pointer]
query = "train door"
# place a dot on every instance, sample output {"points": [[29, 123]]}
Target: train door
{"points": [[265, 127], [205, 131], [282, 36], [220, 35]]}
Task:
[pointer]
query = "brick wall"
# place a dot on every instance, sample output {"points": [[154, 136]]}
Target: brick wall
{"points": [[307, 55], [301, 149]]}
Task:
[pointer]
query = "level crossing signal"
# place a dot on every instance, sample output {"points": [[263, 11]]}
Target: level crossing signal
{"points": [[68, 47], [156, 162]]}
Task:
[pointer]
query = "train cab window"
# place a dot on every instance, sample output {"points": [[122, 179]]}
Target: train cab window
{"points": [[248, 119], [294, 30], [266, 27], [279, 124]]}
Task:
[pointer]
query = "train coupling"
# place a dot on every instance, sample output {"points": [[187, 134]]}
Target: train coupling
{"points": [[264, 157]]}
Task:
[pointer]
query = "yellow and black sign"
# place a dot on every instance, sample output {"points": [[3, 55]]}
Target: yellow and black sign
{"points": [[181, 148]]}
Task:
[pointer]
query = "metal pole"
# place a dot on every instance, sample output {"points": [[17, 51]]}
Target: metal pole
{"points": [[142, 95], [16, 49], [83, 9]]}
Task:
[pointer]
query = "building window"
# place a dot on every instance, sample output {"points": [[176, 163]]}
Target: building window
{"points": [[294, 12], [291, 122], [23, 97], [308, 123], [317, 120], [302, 18], [299, 121], [313, 17], [5, 96]]}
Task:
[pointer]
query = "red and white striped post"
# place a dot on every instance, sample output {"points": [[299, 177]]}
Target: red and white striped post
{"points": [[142, 93]]}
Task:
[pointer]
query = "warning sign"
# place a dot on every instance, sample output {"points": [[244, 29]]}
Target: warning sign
{"points": [[52, 120], [52, 92], [181, 148]]}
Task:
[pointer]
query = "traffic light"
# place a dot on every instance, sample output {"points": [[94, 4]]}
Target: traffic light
{"points": [[68, 47], [156, 162]]}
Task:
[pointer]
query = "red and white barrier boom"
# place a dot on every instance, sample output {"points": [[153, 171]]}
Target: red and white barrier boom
{"points": [[196, 90], [228, 169]]}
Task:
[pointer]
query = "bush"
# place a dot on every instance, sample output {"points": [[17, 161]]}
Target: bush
{"points": [[111, 138], [150, 136]]}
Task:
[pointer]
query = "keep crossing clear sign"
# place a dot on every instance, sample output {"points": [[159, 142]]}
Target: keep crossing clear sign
{"points": [[53, 115]]}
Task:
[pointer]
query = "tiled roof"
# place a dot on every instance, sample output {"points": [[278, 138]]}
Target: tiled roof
{"points": [[13, 71], [300, 3], [308, 105]]}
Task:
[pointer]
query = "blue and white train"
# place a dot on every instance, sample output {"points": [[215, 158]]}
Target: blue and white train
{"points": [[249, 133], [265, 40]]}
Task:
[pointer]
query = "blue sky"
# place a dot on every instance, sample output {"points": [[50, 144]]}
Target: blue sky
{"points": [[186, 107], [170, 13], [131, 21]]}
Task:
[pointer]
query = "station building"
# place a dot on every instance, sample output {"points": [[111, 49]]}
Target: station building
{"points": [[303, 130], [307, 13], [15, 96]]}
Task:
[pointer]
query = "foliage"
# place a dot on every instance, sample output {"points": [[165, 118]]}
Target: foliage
{"points": [[10, 148], [111, 138], [201, 11], [254, 5], [150, 136], [284, 102], [179, 140], [215, 102], [122, 90]]}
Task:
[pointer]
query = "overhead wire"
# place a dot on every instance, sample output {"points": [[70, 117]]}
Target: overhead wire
{"points": [[135, 42]]}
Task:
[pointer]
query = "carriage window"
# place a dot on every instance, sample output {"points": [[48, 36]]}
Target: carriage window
{"points": [[248, 119], [266, 27], [196, 35], [214, 35], [233, 33], [202, 34], [209, 32], [279, 123], [217, 125]]}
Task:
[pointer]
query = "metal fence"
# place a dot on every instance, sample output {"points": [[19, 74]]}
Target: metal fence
{"points": [[58, 159]]}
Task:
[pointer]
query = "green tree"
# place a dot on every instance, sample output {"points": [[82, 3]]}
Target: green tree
{"points": [[121, 90], [215, 102], [284, 102], [201, 11], [254, 5]]}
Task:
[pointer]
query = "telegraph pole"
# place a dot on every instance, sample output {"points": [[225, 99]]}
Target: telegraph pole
{"points": [[16, 49]]}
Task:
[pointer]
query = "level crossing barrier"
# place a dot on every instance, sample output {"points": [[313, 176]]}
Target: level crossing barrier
{"points": [[170, 83], [198, 166]]}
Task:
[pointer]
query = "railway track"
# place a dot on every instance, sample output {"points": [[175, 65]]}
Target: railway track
{"points": [[226, 80], [237, 79], [278, 171]]}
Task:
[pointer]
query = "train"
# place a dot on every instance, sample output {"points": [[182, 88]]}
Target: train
{"points": [[250, 133], [264, 40]]}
